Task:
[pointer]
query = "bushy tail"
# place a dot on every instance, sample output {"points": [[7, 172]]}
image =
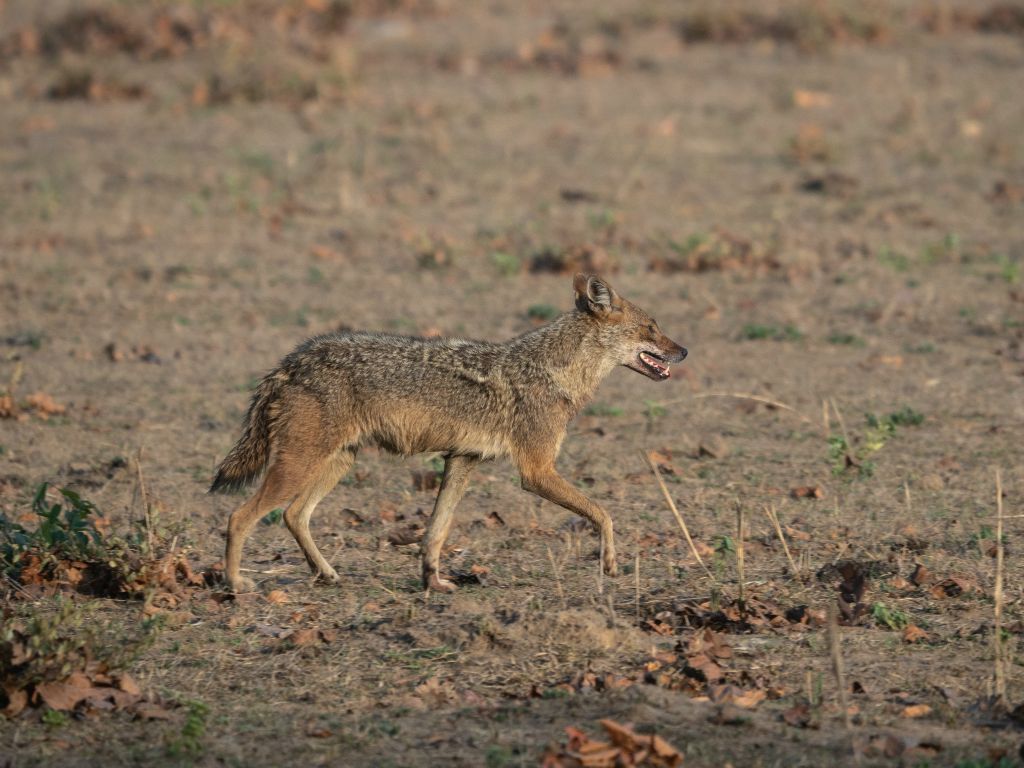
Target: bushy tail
{"points": [[249, 457]]}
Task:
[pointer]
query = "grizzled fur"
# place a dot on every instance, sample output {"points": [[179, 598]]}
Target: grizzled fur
{"points": [[469, 400]]}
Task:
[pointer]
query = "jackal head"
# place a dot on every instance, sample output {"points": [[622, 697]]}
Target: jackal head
{"points": [[631, 336]]}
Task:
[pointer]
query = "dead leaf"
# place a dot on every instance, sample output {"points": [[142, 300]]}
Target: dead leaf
{"points": [[127, 684], [277, 597], [920, 576], [17, 700], [44, 405], [916, 710], [302, 638], [914, 634], [951, 587], [150, 711], [65, 694], [799, 716], [325, 253], [807, 99], [796, 534], [731, 694], [808, 492], [713, 446]]}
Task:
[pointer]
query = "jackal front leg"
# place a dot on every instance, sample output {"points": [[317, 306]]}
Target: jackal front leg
{"points": [[553, 487], [457, 470]]}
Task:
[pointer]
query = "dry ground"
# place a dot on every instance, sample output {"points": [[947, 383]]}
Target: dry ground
{"points": [[823, 201]]}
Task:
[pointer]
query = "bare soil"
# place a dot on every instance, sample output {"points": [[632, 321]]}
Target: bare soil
{"points": [[823, 201]]}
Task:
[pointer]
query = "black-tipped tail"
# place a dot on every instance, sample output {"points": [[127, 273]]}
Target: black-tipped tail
{"points": [[247, 460]]}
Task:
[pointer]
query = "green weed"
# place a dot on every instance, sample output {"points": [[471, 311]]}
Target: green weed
{"points": [[944, 249], [54, 718], [65, 530], [847, 339], [189, 743], [654, 410], [48, 640], [758, 332], [893, 618], [273, 517], [877, 432], [508, 264], [542, 312], [602, 409], [893, 259]]}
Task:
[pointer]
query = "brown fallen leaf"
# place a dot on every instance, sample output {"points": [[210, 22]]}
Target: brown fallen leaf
{"points": [[796, 534], [641, 747], [302, 638], [899, 583], [44, 405], [277, 597], [127, 683], [325, 253], [808, 492], [147, 710], [807, 99], [914, 634], [17, 700], [916, 710], [951, 587], [65, 694], [799, 716], [731, 694]]}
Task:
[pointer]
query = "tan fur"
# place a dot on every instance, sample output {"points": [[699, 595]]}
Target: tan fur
{"points": [[469, 400]]}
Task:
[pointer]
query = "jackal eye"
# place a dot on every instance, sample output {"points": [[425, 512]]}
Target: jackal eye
{"points": [[652, 328]]}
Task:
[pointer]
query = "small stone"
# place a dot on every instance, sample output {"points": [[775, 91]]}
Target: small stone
{"points": [[713, 446]]}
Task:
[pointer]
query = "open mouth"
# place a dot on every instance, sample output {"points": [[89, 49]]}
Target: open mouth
{"points": [[653, 365]]}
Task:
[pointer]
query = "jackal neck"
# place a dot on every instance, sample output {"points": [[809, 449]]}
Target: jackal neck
{"points": [[568, 350]]}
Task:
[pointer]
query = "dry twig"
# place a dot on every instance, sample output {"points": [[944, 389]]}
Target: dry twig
{"points": [[675, 511], [1000, 671], [774, 518]]}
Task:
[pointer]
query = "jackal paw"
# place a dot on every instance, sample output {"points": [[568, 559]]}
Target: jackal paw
{"points": [[241, 584], [611, 568], [432, 581], [327, 576]]}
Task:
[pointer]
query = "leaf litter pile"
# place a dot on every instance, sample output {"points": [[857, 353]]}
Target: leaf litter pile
{"points": [[59, 553]]}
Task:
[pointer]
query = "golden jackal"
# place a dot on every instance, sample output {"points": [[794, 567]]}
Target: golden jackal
{"points": [[469, 400]]}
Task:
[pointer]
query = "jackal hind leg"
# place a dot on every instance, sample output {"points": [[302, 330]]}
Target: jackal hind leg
{"points": [[279, 487], [457, 470], [319, 483]]}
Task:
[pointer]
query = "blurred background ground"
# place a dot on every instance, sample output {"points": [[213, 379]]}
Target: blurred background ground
{"points": [[822, 200]]}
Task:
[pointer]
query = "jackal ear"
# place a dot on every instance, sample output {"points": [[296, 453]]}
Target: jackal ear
{"points": [[593, 294]]}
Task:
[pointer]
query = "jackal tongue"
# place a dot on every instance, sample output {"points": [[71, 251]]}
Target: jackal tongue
{"points": [[651, 362]]}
